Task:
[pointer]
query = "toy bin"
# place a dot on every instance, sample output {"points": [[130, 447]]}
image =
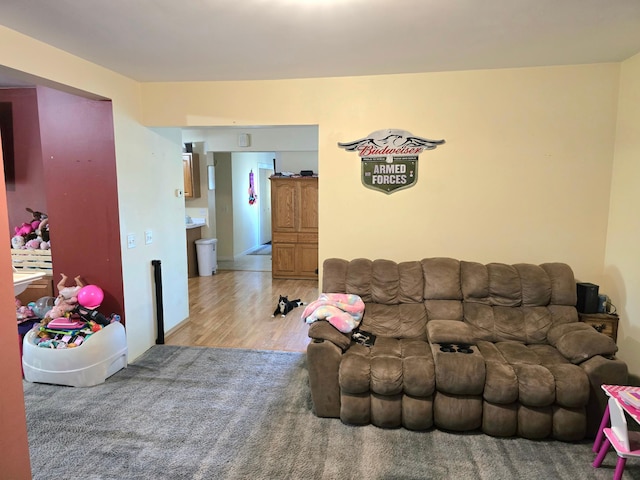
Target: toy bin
{"points": [[100, 356]]}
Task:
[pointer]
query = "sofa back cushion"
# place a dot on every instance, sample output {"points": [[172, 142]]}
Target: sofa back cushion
{"points": [[442, 288], [500, 302], [517, 302], [392, 293]]}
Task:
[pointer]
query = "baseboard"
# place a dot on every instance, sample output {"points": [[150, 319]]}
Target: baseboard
{"points": [[175, 327]]}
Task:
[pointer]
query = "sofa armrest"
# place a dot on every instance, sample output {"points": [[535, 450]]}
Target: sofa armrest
{"points": [[323, 364], [450, 331], [601, 370], [578, 342], [323, 330]]}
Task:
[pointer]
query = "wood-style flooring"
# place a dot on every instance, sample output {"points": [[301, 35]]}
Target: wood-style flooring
{"points": [[233, 309]]}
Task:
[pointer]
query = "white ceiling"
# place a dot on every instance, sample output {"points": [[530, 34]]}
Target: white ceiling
{"points": [[170, 40]]}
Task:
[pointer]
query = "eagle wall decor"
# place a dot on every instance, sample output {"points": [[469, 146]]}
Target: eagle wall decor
{"points": [[389, 158]]}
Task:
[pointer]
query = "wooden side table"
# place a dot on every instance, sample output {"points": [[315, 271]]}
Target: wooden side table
{"points": [[602, 322]]}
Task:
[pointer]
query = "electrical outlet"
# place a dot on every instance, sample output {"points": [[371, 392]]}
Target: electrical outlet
{"points": [[131, 240], [148, 237]]}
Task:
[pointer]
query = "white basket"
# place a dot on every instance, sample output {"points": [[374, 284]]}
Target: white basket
{"points": [[100, 356]]}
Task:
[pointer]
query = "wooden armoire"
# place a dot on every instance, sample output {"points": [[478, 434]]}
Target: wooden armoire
{"points": [[294, 227]]}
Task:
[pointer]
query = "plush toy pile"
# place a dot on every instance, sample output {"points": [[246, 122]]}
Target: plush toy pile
{"points": [[67, 320], [32, 235]]}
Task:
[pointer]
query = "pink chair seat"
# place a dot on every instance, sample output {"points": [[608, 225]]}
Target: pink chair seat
{"points": [[625, 443]]}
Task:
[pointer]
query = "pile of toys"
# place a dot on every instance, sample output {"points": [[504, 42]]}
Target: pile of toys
{"points": [[67, 320], [32, 235]]}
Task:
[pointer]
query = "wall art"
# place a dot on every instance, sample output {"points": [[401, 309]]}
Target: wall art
{"points": [[389, 158]]}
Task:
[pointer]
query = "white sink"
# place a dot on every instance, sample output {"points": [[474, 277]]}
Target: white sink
{"points": [[22, 280], [195, 222]]}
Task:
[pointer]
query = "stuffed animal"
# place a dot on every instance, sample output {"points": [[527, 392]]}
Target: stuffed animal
{"points": [[24, 229], [37, 216], [23, 312], [17, 242], [43, 230], [285, 306], [33, 244]]}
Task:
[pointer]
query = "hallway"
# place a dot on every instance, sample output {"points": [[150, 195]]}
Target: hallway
{"points": [[251, 262]]}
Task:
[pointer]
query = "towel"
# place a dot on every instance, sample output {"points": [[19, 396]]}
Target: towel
{"points": [[342, 310]]}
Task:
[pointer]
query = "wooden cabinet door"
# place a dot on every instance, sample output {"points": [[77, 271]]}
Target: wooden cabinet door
{"points": [[308, 205], [191, 173], [283, 258], [188, 177], [283, 206], [307, 259]]}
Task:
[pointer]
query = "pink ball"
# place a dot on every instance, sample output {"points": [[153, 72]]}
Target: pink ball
{"points": [[90, 296]]}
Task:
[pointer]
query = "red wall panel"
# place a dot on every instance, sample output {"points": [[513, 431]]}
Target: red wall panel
{"points": [[78, 156]]}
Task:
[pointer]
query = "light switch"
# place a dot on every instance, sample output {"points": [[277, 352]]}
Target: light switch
{"points": [[148, 237], [131, 240]]}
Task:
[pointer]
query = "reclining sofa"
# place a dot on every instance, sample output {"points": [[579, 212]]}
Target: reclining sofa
{"points": [[462, 346]]}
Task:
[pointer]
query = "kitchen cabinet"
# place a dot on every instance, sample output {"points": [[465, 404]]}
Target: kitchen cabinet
{"points": [[191, 173], [294, 227]]}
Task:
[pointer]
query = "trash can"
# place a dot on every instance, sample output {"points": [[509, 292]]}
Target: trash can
{"points": [[207, 256]]}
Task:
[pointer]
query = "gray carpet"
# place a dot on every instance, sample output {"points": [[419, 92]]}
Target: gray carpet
{"points": [[202, 413]]}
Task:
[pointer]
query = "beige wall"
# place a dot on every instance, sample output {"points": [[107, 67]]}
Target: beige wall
{"points": [[524, 175], [622, 260], [149, 169]]}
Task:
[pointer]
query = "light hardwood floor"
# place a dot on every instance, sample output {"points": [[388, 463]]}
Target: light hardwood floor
{"points": [[233, 309]]}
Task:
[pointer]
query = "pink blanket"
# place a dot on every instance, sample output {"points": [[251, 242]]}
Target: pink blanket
{"points": [[342, 310]]}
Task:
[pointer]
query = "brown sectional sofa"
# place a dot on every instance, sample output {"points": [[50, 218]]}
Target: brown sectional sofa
{"points": [[463, 346]]}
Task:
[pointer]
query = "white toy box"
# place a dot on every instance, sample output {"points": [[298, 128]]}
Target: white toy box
{"points": [[100, 356]]}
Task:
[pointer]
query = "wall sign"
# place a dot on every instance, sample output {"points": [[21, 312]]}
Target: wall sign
{"points": [[389, 158]]}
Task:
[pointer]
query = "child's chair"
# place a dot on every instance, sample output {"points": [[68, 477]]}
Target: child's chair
{"points": [[626, 443]]}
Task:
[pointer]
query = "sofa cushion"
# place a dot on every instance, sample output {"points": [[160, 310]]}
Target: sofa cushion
{"points": [[501, 381], [444, 309], [449, 331], [563, 284], [535, 285], [578, 341], [582, 345], [389, 367], [543, 376], [536, 385], [556, 332], [441, 279], [404, 320]]}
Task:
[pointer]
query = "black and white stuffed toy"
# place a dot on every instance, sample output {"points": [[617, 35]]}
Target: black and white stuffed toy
{"points": [[285, 305]]}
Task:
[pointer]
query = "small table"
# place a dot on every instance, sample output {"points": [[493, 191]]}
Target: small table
{"points": [[603, 322], [614, 391]]}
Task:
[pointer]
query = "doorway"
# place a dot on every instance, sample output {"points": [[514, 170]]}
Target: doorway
{"points": [[264, 186]]}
